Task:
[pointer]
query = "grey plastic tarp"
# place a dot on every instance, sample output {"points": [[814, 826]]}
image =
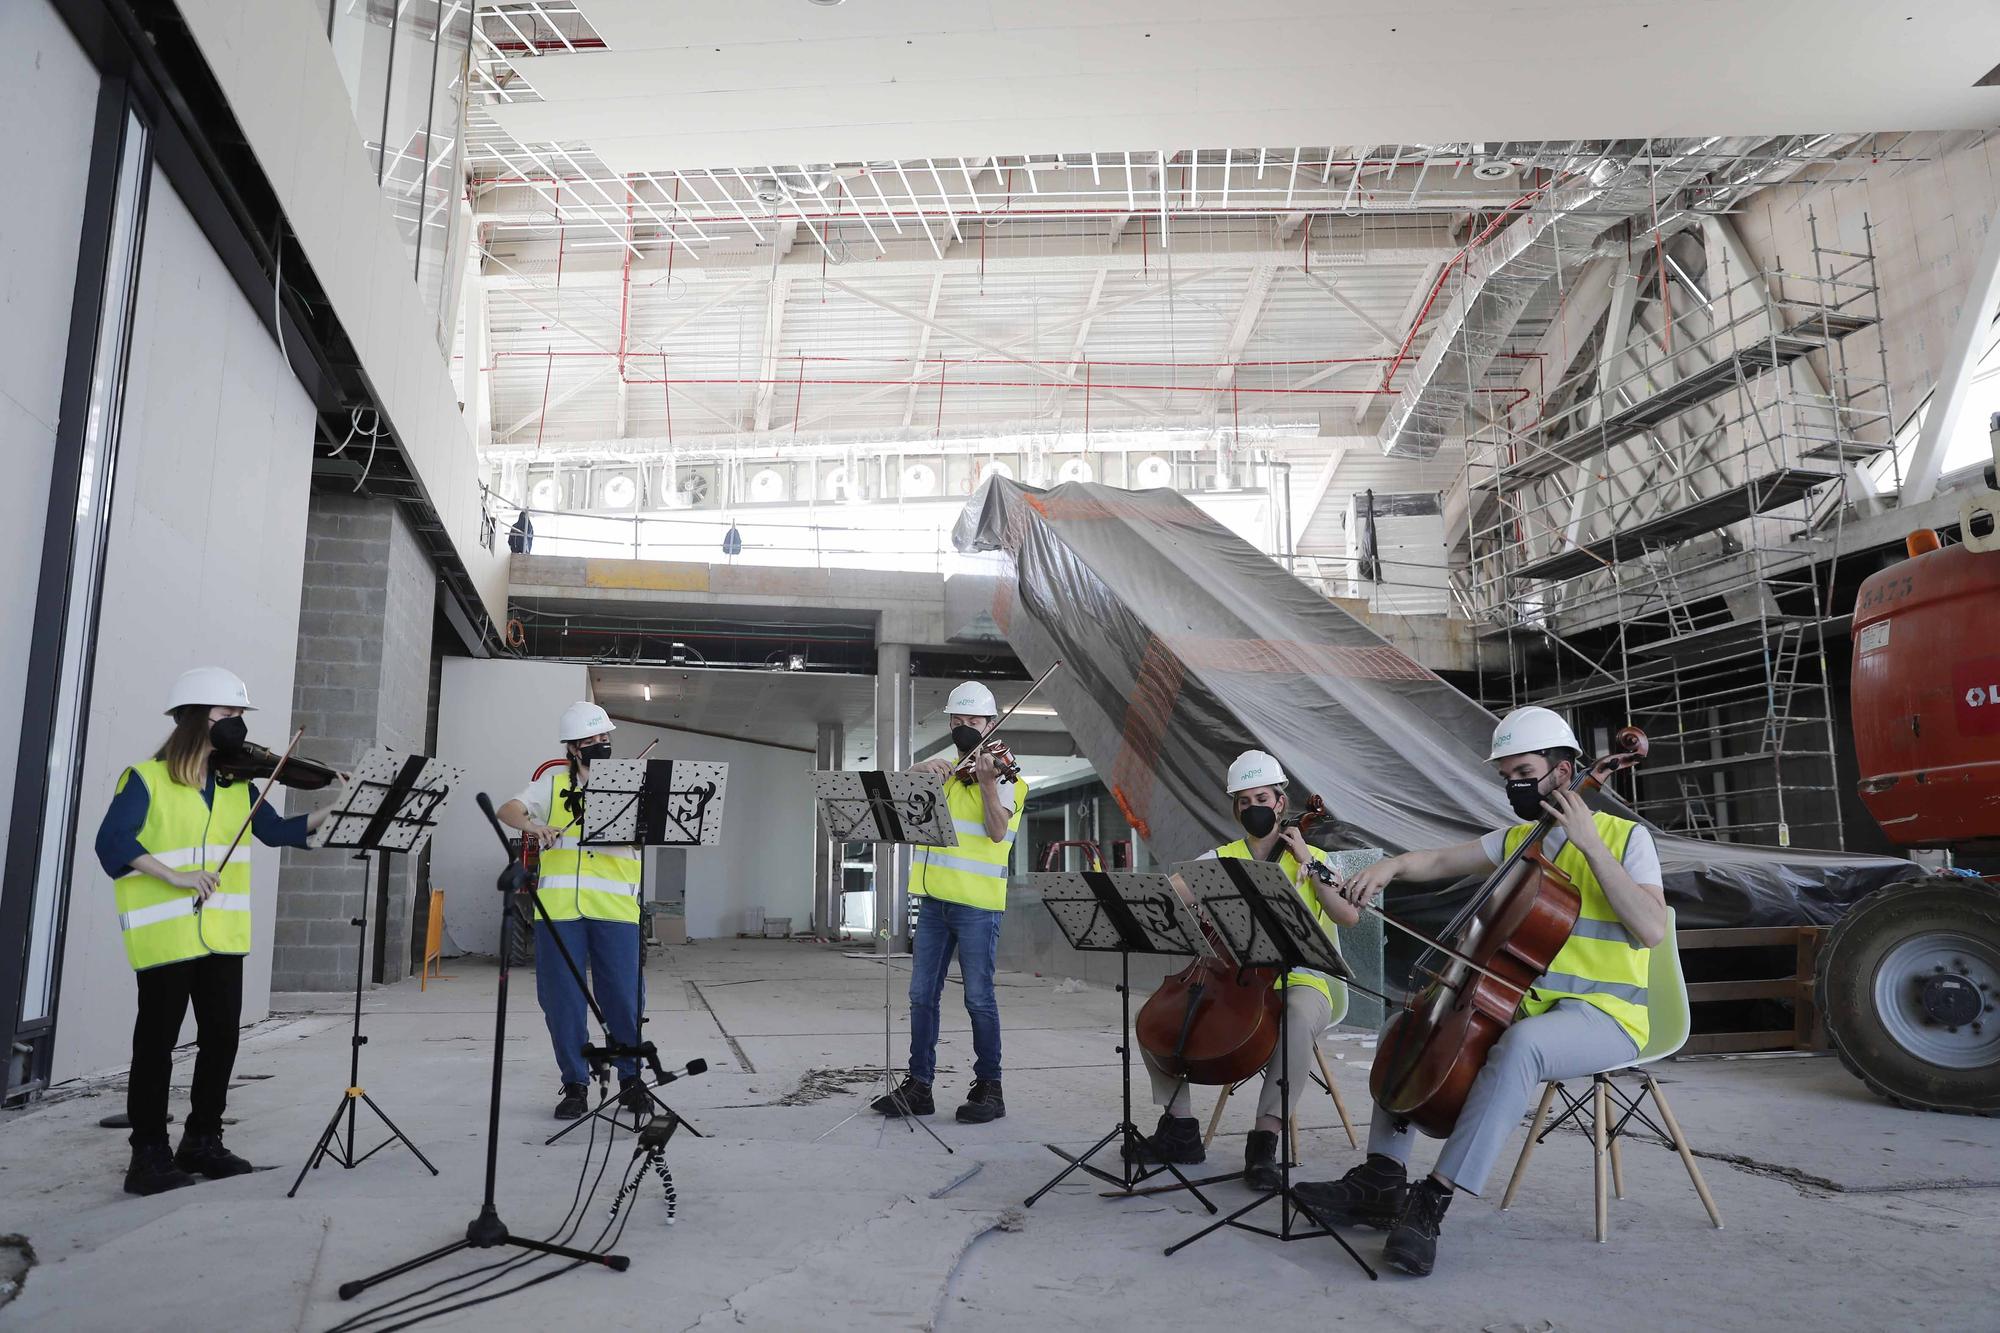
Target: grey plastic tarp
{"points": [[1182, 645]]}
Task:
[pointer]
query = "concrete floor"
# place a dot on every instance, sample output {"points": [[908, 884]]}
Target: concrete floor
{"points": [[1841, 1212]]}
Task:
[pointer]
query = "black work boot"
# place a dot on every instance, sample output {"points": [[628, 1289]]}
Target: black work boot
{"points": [[912, 1098], [632, 1095], [983, 1103], [1177, 1139], [1370, 1195], [1413, 1240], [204, 1155], [1260, 1161], [575, 1101], [153, 1170]]}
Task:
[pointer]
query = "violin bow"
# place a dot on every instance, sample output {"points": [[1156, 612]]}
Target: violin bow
{"points": [[257, 804]]}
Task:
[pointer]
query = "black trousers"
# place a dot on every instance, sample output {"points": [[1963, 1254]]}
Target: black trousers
{"points": [[214, 985]]}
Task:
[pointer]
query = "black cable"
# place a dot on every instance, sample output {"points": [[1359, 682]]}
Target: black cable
{"points": [[572, 1220]]}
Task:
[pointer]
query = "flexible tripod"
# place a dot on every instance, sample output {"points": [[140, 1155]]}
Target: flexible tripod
{"points": [[330, 1147], [487, 1231]]}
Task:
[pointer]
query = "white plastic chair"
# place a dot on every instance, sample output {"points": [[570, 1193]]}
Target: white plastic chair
{"points": [[1324, 1077], [1668, 1022]]}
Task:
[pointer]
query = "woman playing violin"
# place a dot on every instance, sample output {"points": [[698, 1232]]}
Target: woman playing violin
{"points": [[961, 892], [186, 918], [1256, 789], [1586, 1014]]}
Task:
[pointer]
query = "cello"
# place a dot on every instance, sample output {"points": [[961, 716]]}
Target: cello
{"points": [[1216, 1022], [1497, 947]]}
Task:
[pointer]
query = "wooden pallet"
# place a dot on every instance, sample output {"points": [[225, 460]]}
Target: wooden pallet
{"points": [[1807, 1032]]}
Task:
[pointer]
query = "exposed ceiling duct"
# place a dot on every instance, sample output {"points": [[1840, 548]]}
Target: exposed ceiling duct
{"points": [[1502, 274]]}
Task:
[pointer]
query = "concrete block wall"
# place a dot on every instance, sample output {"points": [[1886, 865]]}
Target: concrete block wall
{"points": [[364, 679]]}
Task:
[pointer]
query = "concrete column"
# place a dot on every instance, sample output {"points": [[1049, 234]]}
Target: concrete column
{"points": [[893, 700], [368, 601], [829, 752]]}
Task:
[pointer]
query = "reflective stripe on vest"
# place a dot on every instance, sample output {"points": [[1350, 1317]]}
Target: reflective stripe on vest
{"points": [[159, 920], [975, 871], [601, 883], [1304, 976], [1600, 963]]}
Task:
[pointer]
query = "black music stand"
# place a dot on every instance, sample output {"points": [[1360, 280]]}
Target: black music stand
{"points": [[1265, 923], [486, 1231], [1125, 913], [879, 806], [390, 806], [640, 803]]}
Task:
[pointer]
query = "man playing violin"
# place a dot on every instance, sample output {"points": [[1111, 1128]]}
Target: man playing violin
{"points": [[1586, 1014], [961, 893], [1256, 788]]}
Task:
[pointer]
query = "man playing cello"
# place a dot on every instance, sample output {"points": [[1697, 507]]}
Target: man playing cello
{"points": [[1256, 789], [1585, 1015]]}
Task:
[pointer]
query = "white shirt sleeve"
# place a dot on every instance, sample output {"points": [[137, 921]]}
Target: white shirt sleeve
{"points": [[1642, 857], [1208, 855], [1493, 846], [535, 796]]}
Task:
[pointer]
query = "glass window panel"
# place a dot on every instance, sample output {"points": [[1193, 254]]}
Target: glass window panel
{"points": [[437, 251], [360, 32], [405, 137]]}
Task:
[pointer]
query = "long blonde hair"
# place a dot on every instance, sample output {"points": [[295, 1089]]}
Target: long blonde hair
{"points": [[186, 748]]}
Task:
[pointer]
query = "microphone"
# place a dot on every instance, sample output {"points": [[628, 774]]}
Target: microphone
{"points": [[693, 1067]]}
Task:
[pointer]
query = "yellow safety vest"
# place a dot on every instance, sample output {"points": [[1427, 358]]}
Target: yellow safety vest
{"points": [[602, 883], [1319, 981], [1600, 964], [975, 871], [183, 832]]}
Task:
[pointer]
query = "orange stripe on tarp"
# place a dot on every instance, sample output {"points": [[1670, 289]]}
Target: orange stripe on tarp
{"points": [[1286, 656], [1148, 712]]}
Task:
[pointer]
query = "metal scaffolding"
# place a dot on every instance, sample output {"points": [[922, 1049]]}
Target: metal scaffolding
{"points": [[1656, 544]]}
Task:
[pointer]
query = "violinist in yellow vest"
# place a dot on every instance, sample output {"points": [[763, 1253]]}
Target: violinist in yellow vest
{"points": [[961, 894], [1256, 788], [186, 920], [591, 895], [1586, 1014]]}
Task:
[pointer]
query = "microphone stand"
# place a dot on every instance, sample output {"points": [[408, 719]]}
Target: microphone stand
{"points": [[487, 1231]]}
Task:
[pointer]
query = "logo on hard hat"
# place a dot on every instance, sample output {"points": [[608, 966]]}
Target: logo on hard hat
{"points": [[1976, 696]]}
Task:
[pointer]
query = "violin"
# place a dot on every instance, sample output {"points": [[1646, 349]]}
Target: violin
{"points": [[1216, 1021], [254, 761], [1496, 948], [1003, 758]]}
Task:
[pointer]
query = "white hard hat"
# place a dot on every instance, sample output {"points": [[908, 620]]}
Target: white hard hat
{"points": [[1254, 768], [973, 700], [210, 687], [1530, 729], [581, 719]]}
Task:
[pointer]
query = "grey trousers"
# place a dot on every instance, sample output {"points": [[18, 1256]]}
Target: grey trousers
{"points": [[1308, 1014], [1572, 1040]]}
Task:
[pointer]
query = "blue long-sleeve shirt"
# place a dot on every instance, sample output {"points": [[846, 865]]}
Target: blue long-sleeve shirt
{"points": [[118, 835]]}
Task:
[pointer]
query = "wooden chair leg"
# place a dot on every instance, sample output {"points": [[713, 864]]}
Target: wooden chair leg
{"points": [[1292, 1125], [1617, 1169], [1338, 1104], [1597, 1114], [1534, 1132], [1215, 1121], [1681, 1147]]}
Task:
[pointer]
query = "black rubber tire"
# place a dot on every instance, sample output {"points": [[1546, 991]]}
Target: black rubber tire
{"points": [[1846, 991]]}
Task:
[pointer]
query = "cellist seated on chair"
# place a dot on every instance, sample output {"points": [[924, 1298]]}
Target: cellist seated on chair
{"points": [[1256, 788], [1586, 1014]]}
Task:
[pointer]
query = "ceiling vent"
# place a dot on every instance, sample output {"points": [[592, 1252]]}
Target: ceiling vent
{"points": [[920, 479], [1076, 469], [769, 486], [1154, 472]]}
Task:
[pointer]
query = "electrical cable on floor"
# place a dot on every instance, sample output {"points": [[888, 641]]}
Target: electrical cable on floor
{"points": [[563, 1232]]}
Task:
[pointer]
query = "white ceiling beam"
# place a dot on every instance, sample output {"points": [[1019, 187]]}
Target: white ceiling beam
{"points": [[1413, 311], [923, 345], [1061, 399], [1256, 294], [767, 367], [583, 385]]}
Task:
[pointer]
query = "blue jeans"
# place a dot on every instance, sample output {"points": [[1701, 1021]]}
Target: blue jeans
{"points": [[610, 952], [975, 933]]}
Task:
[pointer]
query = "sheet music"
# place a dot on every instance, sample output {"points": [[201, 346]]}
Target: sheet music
{"points": [[407, 825], [682, 806], [900, 808], [1244, 928], [1148, 899]]}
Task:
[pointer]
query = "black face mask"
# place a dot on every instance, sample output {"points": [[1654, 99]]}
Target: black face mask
{"points": [[228, 734], [1525, 796], [1258, 820], [965, 738], [590, 754]]}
